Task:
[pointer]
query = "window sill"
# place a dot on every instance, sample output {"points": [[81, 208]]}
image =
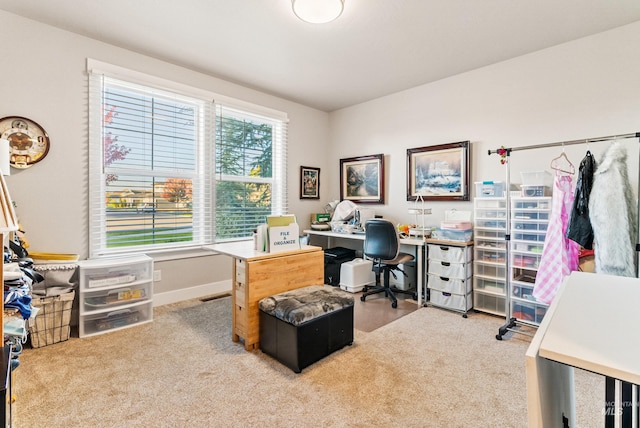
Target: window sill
{"points": [[187, 253]]}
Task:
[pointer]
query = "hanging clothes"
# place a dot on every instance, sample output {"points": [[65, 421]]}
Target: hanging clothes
{"points": [[559, 254], [613, 215], [579, 229]]}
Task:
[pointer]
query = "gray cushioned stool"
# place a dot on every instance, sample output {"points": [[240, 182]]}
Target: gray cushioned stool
{"points": [[302, 326]]}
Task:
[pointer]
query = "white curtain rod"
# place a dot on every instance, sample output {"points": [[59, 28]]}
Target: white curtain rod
{"points": [[569, 143]]}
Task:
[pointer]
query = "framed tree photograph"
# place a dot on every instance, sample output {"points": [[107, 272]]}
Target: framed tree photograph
{"points": [[362, 179], [309, 182], [438, 172]]}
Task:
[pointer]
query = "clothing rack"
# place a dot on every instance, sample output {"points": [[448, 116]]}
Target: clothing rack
{"points": [[569, 143], [616, 391], [511, 321]]}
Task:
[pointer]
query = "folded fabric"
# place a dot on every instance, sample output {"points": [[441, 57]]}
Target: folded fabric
{"points": [[21, 303], [14, 327]]}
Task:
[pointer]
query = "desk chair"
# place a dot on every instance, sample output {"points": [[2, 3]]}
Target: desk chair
{"points": [[382, 246]]}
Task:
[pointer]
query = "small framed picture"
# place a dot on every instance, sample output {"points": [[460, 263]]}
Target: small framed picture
{"points": [[309, 182], [438, 172], [362, 179]]}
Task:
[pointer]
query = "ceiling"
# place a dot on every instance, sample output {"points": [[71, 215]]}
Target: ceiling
{"points": [[375, 48]]}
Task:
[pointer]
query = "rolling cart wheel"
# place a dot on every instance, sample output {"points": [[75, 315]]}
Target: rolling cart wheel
{"points": [[498, 337], [394, 304], [464, 315], [362, 298]]}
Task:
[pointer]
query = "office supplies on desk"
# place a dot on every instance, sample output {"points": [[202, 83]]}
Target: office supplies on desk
{"points": [[320, 221], [283, 233], [280, 220], [344, 211], [419, 228], [360, 218]]}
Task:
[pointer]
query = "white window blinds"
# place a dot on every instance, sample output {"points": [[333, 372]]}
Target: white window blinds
{"points": [[170, 169], [251, 159], [151, 180]]}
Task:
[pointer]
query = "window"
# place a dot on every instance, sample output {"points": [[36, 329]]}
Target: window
{"points": [[250, 159], [171, 170]]}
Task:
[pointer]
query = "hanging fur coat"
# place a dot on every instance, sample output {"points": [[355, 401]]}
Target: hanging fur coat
{"points": [[613, 215]]}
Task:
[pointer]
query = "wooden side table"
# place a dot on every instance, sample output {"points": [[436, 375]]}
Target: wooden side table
{"points": [[257, 275]]}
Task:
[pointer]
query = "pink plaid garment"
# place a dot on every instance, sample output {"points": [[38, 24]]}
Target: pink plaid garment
{"points": [[559, 254]]}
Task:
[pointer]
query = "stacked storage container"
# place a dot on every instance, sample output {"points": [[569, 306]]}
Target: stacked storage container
{"points": [[490, 247], [529, 222], [449, 275]]}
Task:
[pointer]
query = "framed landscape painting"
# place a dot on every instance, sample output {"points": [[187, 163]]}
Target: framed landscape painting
{"points": [[362, 179], [438, 172]]}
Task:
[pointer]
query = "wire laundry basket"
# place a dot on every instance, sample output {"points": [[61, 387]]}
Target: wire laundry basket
{"points": [[52, 323]]}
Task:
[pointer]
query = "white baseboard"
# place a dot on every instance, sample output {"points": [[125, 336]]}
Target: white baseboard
{"points": [[203, 290]]}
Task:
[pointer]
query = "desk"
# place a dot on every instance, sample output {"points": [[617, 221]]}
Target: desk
{"points": [[257, 275], [416, 242], [592, 325]]}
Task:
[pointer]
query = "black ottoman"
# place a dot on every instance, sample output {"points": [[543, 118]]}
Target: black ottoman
{"points": [[302, 326]]}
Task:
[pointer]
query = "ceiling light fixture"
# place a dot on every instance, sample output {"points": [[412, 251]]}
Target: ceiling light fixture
{"points": [[317, 11]]}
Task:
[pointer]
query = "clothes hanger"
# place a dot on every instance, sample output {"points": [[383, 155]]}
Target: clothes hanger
{"points": [[563, 164]]}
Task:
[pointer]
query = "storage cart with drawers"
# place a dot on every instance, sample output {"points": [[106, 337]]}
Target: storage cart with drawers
{"points": [[450, 273], [529, 222], [115, 293], [490, 253]]}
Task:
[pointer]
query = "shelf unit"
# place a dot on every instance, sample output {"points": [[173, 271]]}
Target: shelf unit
{"points": [[490, 255], [115, 293], [449, 272], [529, 222]]}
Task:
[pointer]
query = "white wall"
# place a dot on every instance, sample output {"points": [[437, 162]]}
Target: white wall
{"points": [[44, 78], [582, 89]]}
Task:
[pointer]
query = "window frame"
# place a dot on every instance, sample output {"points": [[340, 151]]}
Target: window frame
{"points": [[206, 211]]}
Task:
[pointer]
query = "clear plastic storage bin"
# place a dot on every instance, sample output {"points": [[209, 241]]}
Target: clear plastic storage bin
{"points": [[489, 189], [496, 286], [489, 303]]}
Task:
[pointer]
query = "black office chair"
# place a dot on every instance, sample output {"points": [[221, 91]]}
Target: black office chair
{"points": [[382, 246]]}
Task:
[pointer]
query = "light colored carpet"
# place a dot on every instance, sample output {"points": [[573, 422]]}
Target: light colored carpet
{"points": [[430, 368]]}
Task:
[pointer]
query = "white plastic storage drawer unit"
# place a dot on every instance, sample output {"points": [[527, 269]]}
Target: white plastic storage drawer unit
{"points": [[490, 255], [115, 293], [529, 222], [450, 275]]}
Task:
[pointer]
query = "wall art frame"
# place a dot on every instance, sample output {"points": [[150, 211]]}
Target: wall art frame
{"points": [[309, 182], [362, 179], [439, 173]]}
